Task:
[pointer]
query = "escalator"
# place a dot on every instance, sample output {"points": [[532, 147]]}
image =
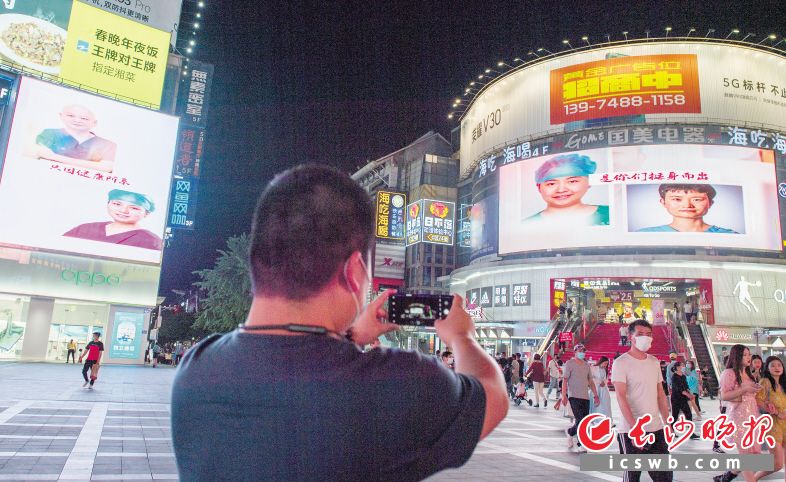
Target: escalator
{"points": [[703, 355]]}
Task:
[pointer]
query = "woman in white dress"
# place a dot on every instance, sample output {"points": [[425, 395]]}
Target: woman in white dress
{"points": [[600, 375]]}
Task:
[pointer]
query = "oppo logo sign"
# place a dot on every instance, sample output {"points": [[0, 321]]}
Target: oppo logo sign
{"points": [[88, 278]]}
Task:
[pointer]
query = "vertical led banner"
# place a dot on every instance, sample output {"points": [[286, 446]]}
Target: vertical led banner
{"points": [[195, 94], [390, 215], [438, 221], [414, 223], [184, 199]]}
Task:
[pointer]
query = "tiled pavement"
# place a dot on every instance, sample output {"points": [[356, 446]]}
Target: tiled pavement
{"points": [[52, 429]]}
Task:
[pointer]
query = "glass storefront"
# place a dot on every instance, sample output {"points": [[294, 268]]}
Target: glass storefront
{"points": [[13, 315], [76, 321]]}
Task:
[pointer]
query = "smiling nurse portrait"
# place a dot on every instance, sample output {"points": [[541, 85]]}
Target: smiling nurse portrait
{"points": [[127, 210], [562, 183]]}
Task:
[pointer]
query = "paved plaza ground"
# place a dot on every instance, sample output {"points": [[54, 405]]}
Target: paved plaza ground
{"points": [[52, 429]]}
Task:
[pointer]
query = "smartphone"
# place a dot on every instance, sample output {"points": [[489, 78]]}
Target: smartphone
{"points": [[418, 310]]}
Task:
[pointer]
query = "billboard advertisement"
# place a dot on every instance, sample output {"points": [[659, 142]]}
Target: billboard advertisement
{"points": [[654, 195], [431, 221], [159, 14], [127, 335], [86, 47], [389, 261], [390, 215], [86, 175], [633, 83]]}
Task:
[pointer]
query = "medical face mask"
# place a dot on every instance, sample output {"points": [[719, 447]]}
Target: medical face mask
{"points": [[359, 306], [643, 343], [580, 355]]}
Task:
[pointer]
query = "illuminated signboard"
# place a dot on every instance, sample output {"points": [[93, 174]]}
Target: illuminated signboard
{"points": [[642, 84], [87, 47], [189, 150], [127, 335], [86, 174], [501, 295], [160, 14], [652, 195], [183, 206], [390, 215], [195, 94], [486, 296], [431, 221], [520, 295]]}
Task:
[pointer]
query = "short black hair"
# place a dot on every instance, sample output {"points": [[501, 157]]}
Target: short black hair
{"points": [[447, 354], [703, 188], [307, 222], [97, 333], [632, 326]]}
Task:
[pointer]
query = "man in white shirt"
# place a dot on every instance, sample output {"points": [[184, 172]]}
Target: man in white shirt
{"points": [[623, 333], [688, 310], [638, 382]]}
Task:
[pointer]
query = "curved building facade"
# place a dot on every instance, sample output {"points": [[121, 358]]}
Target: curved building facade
{"points": [[632, 179]]}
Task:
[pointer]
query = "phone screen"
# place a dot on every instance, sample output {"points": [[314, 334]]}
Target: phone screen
{"points": [[418, 310]]}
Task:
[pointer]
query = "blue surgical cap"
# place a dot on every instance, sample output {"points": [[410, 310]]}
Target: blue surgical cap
{"points": [[568, 165], [133, 198]]}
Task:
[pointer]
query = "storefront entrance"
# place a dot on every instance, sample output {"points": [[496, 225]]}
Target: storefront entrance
{"points": [[611, 300], [76, 321]]}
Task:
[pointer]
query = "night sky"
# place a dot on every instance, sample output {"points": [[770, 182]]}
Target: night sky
{"points": [[341, 83]]}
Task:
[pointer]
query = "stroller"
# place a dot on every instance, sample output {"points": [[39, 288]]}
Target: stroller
{"points": [[521, 394]]}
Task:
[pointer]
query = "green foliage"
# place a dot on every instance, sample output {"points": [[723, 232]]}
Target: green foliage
{"points": [[178, 327], [228, 288]]}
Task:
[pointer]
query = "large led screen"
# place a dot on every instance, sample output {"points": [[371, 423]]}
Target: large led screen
{"points": [[654, 195], [86, 175]]}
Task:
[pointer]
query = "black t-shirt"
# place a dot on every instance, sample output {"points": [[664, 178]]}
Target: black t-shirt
{"points": [[679, 384], [252, 407]]}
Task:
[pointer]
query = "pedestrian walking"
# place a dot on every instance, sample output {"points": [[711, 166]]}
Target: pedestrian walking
{"points": [[553, 370], [692, 378], [537, 374], [156, 348], [94, 351], [772, 399], [623, 333], [71, 351], [637, 382], [681, 395], [600, 375], [576, 384]]}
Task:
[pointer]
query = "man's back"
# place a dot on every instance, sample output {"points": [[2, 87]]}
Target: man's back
{"points": [[380, 415]]}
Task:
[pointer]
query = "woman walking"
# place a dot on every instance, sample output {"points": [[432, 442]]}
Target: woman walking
{"points": [[537, 374], [693, 386], [600, 375], [772, 399], [738, 389]]}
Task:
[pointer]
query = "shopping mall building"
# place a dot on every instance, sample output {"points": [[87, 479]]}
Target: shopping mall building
{"points": [[69, 265], [631, 179]]}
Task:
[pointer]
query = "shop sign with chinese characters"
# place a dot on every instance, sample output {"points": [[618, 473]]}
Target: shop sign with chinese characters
{"points": [[195, 94], [188, 154], [635, 85], [501, 297], [390, 215], [183, 205], [638, 135], [430, 221], [520, 294], [159, 14]]}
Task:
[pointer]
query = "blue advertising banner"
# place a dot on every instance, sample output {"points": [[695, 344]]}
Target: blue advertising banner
{"points": [[127, 335], [183, 205]]}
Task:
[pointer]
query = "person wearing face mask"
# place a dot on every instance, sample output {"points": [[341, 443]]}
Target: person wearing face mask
{"points": [[637, 382], [243, 404], [576, 385]]}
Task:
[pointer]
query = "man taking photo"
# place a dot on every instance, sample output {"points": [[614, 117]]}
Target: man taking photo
{"points": [[248, 405]]}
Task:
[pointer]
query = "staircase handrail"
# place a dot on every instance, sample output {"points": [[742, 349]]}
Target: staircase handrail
{"points": [[594, 323], [544, 345], [688, 340], [716, 364]]}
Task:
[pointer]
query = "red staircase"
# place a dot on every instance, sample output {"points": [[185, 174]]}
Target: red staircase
{"points": [[605, 341]]}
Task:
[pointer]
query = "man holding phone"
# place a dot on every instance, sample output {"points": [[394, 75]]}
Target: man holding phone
{"points": [[246, 404]]}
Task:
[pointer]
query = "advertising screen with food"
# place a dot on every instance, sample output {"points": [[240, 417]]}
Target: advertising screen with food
{"points": [[85, 46], [86, 175], [654, 195]]}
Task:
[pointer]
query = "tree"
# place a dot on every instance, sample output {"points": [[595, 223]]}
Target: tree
{"points": [[228, 288], [178, 326]]}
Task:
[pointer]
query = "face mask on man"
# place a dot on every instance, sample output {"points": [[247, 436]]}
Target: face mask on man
{"points": [[643, 343], [359, 305], [580, 355]]}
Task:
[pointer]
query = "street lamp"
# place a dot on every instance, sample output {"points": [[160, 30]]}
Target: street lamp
{"points": [[690, 31], [533, 53], [668, 29], [488, 71], [586, 39], [734, 31], [501, 63], [625, 33], [545, 50], [749, 35], [567, 42], [771, 36], [710, 31]]}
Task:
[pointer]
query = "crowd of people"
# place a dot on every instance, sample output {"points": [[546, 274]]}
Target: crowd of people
{"points": [[168, 353]]}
